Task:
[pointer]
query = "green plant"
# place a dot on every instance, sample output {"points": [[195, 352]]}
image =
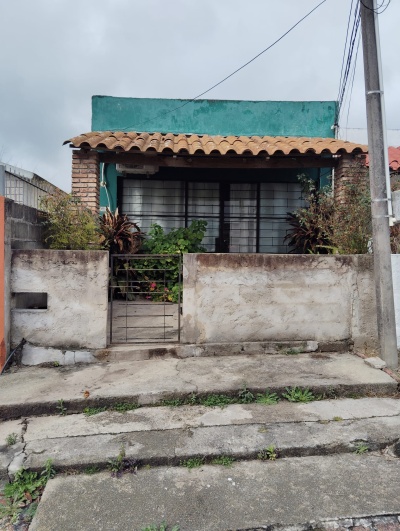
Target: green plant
{"points": [[11, 439], [163, 282], [118, 234], [215, 400], [56, 363], [89, 411], [245, 396], [21, 495], [193, 462], [92, 469], [224, 460], [173, 402], [298, 394], [337, 419], [68, 224], [162, 527], [327, 225], [361, 448], [267, 398], [62, 410], [122, 464], [268, 454], [123, 407]]}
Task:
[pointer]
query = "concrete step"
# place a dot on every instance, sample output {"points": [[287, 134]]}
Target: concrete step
{"points": [[38, 390], [172, 435], [329, 492], [139, 352]]}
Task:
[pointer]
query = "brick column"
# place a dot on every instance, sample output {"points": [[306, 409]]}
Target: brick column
{"points": [[349, 169], [86, 178]]}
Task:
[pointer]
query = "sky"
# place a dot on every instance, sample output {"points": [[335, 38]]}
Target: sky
{"points": [[55, 55]]}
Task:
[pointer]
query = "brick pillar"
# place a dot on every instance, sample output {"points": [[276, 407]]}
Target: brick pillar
{"points": [[86, 178], [349, 169]]}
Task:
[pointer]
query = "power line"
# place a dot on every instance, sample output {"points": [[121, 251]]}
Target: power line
{"points": [[230, 75], [352, 80], [376, 11], [345, 47]]}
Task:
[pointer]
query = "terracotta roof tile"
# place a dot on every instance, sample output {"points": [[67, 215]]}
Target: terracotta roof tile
{"points": [[206, 144], [394, 158]]}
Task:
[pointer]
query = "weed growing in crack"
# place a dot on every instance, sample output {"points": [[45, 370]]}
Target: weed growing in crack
{"points": [[224, 460], [21, 496], [215, 400], [89, 411], [193, 462], [245, 396], [173, 402], [338, 419], [11, 439], [162, 527], [92, 469], [361, 448], [122, 464], [267, 398], [62, 410], [123, 407], [268, 454], [298, 394]]}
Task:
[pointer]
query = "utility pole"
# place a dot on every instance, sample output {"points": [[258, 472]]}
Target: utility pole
{"points": [[378, 184]]}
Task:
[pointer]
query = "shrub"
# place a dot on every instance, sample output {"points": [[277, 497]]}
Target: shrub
{"points": [[68, 224], [329, 226]]}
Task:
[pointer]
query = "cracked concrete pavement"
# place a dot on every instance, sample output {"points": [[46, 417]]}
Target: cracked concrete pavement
{"points": [[169, 435], [151, 381]]}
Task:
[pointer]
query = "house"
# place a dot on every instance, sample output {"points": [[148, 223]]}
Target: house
{"points": [[234, 164]]}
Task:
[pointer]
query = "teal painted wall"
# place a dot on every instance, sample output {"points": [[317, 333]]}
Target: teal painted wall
{"points": [[215, 117], [108, 193]]}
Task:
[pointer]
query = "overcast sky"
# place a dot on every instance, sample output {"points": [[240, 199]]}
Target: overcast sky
{"points": [[55, 54]]}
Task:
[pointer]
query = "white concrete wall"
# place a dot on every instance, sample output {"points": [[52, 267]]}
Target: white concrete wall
{"points": [[250, 297], [76, 283], [396, 291]]}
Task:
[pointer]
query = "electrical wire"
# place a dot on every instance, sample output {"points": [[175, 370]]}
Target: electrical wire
{"points": [[376, 11], [347, 70], [352, 80], [230, 75], [344, 49]]}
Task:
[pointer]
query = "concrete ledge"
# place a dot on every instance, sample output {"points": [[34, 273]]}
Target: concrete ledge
{"points": [[152, 381]]}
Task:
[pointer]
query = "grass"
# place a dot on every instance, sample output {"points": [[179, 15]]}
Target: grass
{"points": [[123, 407], [267, 398], [245, 396], [11, 439], [193, 462], [268, 454], [92, 469], [162, 527], [215, 400], [21, 496], [361, 448], [298, 394], [338, 419], [224, 460], [89, 411], [173, 402]]}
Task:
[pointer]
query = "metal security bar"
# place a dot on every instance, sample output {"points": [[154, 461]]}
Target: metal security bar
{"points": [[145, 298]]}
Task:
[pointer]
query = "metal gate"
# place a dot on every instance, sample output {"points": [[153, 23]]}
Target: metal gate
{"points": [[145, 298]]}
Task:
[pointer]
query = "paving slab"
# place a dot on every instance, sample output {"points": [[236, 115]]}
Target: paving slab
{"points": [[170, 418], [247, 495], [151, 381], [241, 441]]}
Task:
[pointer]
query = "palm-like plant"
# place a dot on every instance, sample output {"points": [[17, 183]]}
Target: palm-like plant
{"points": [[119, 234]]}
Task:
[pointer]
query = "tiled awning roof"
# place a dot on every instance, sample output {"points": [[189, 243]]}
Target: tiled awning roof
{"points": [[394, 158], [212, 145]]}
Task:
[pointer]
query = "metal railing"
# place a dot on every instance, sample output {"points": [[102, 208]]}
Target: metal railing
{"points": [[24, 187], [145, 298]]}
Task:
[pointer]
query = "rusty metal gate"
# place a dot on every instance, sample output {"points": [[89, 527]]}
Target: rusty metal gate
{"points": [[145, 298]]}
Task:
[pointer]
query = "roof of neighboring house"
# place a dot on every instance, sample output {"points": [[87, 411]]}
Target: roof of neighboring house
{"points": [[394, 158], [210, 145]]}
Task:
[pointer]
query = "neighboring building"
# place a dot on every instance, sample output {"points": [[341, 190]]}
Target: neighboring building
{"points": [[234, 164]]}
